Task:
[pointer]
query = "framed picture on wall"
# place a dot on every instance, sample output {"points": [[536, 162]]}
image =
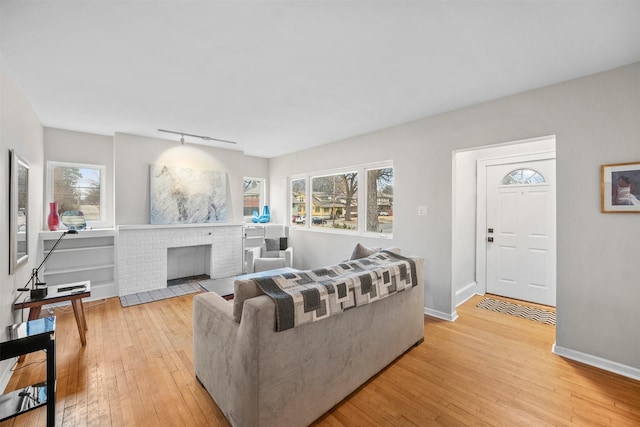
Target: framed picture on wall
{"points": [[620, 188]]}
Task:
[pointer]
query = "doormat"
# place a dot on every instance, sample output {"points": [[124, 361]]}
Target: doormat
{"points": [[542, 316]]}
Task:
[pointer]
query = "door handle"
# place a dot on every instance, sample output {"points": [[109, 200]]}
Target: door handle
{"points": [[490, 239]]}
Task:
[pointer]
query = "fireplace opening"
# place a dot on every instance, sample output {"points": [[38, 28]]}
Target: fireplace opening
{"points": [[189, 263]]}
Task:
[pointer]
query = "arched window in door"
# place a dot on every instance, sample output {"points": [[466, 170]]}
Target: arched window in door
{"points": [[523, 177]]}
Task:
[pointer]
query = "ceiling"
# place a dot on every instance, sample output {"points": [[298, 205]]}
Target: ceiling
{"points": [[282, 76]]}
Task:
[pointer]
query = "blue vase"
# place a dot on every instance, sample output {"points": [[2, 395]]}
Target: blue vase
{"points": [[255, 217], [266, 216]]}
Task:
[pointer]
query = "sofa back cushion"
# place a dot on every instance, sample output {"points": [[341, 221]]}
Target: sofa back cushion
{"points": [[361, 251]]}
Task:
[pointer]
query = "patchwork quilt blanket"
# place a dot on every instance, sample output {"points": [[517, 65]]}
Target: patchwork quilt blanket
{"points": [[312, 295]]}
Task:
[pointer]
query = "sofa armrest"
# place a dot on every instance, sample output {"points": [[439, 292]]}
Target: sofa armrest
{"points": [[251, 256], [288, 257], [212, 322], [219, 308], [223, 356]]}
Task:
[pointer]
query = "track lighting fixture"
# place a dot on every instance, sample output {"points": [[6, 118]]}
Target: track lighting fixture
{"points": [[203, 137]]}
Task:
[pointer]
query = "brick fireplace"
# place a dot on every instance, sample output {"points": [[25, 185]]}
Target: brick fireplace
{"points": [[141, 252]]}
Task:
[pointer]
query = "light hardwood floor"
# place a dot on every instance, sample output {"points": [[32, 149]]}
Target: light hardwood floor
{"points": [[486, 368]]}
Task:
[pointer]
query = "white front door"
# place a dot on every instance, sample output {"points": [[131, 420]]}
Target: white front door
{"points": [[521, 231]]}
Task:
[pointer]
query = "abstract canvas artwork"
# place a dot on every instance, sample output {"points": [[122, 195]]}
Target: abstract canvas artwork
{"points": [[187, 196]]}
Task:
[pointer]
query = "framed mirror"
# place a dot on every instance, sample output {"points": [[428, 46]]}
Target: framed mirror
{"points": [[18, 211]]}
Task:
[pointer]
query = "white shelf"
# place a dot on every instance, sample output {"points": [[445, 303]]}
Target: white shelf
{"points": [[90, 248], [194, 225], [82, 234], [51, 272], [88, 255]]}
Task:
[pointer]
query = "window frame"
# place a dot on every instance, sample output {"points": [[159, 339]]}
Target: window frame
{"points": [[366, 169], [262, 200], [521, 170], [91, 223], [361, 212], [290, 212]]}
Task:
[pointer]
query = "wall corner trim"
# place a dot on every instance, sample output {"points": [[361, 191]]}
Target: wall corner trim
{"points": [[450, 317], [466, 293], [598, 362]]}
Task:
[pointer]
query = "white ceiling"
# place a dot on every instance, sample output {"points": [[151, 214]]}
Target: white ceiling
{"points": [[281, 76]]}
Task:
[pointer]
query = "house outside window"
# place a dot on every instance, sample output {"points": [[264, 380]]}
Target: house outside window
{"points": [[334, 201], [253, 196], [78, 187], [298, 202]]}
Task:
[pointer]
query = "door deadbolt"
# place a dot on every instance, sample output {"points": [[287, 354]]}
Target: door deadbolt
{"points": [[490, 230]]}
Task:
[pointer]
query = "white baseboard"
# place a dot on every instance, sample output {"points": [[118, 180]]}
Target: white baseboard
{"points": [[464, 294], [598, 362], [450, 317], [6, 375]]}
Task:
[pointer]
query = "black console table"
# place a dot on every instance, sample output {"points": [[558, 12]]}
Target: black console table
{"points": [[20, 339]]}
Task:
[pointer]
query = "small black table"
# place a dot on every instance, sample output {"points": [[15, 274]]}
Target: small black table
{"points": [[20, 339]]}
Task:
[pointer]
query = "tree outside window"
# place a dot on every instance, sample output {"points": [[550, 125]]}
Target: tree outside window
{"points": [[380, 200], [334, 200], [77, 187]]}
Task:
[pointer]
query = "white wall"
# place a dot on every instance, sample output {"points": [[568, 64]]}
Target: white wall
{"points": [[595, 120], [133, 157], [134, 154], [21, 130], [79, 147]]}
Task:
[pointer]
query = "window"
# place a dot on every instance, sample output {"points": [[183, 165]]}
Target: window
{"points": [[298, 201], [78, 187], [380, 200], [332, 203], [254, 196], [523, 177]]}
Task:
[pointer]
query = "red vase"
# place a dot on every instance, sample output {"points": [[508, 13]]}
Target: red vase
{"points": [[53, 220]]}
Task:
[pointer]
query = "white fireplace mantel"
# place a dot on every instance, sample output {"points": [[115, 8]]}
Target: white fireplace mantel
{"points": [[161, 226], [141, 252]]}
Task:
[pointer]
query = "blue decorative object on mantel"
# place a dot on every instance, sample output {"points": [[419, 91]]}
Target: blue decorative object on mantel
{"points": [[73, 220], [266, 215]]}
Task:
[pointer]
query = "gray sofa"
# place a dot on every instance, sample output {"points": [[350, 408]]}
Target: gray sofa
{"points": [[260, 377]]}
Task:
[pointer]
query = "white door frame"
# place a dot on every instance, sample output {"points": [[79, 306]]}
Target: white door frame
{"points": [[481, 207]]}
